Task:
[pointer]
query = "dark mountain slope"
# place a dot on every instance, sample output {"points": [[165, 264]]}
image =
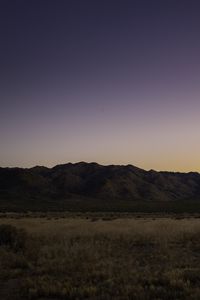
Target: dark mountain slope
{"points": [[74, 185]]}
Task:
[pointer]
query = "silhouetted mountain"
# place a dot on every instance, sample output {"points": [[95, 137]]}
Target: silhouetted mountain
{"points": [[93, 186]]}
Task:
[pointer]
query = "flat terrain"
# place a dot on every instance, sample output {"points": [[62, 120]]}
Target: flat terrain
{"points": [[100, 257]]}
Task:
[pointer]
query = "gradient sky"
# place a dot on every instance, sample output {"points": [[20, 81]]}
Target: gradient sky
{"points": [[116, 82]]}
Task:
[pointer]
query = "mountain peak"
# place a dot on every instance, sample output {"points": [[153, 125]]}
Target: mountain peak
{"points": [[85, 180]]}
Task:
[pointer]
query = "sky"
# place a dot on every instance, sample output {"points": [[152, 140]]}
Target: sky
{"points": [[106, 81]]}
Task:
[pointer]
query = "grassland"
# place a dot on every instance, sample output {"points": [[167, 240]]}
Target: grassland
{"points": [[94, 256]]}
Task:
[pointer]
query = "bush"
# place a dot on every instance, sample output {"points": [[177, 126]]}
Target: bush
{"points": [[12, 237]]}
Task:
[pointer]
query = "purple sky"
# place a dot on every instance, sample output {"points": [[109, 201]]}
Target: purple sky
{"points": [[116, 82]]}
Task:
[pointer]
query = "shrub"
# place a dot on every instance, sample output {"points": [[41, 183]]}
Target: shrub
{"points": [[12, 237]]}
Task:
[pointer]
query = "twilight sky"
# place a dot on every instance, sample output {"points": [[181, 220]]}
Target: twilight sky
{"points": [[110, 81]]}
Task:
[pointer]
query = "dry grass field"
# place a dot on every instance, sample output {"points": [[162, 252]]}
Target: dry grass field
{"points": [[102, 258]]}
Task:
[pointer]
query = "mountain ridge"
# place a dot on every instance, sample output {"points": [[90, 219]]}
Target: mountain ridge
{"points": [[99, 184], [98, 164]]}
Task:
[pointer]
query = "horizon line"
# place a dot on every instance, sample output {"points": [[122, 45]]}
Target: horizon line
{"points": [[100, 164]]}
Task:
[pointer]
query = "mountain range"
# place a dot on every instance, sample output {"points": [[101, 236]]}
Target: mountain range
{"points": [[90, 186]]}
